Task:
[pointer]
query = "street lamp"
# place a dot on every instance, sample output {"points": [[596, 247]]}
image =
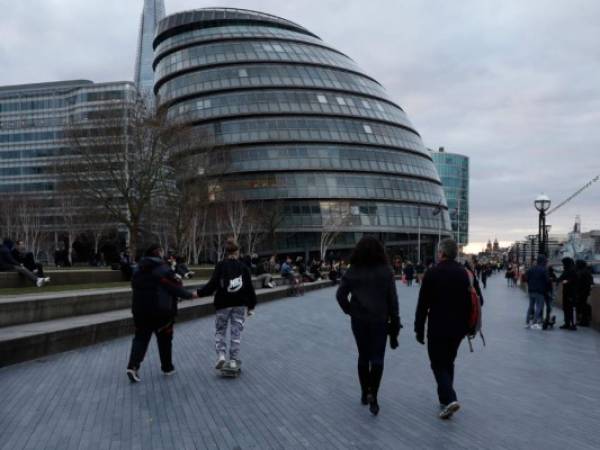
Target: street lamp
{"points": [[542, 204]]}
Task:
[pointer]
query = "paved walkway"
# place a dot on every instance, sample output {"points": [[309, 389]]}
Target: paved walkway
{"points": [[525, 390]]}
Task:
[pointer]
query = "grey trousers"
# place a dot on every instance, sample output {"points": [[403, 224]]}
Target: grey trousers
{"points": [[234, 318]]}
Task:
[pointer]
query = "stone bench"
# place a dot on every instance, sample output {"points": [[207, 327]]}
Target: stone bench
{"points": [[34, 340], [66, 277]]}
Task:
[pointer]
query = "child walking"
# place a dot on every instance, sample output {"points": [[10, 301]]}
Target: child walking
{"points": [[234, 298]]}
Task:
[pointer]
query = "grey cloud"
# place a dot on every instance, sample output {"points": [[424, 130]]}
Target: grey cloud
{"points": [[512, 84]]}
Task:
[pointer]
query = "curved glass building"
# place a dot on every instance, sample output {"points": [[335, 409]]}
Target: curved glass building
{"points": [[300, 123]]}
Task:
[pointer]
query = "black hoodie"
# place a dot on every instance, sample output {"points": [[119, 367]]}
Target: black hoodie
{"points": [[225, 271], [152, 283]]}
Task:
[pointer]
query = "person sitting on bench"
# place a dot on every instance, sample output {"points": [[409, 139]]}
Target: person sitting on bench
{"points": [[8, 263]]}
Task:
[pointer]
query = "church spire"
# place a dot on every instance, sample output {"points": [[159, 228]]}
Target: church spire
{"points": [[154, 11]]}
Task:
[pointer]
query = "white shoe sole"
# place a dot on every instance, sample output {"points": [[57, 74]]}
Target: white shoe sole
{"points": [[449, 411], [133, 377]]}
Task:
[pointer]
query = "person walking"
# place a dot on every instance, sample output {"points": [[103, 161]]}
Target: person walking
{"points": [[445, 304], [409, 273], [367, 293], [154, 306], [538, 287], [568, 278], [235, 297], [585, 280]]}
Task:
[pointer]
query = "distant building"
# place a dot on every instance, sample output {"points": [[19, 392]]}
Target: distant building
{"points": [[299, 123], [453, 169], [154, 11], [33, 118]]}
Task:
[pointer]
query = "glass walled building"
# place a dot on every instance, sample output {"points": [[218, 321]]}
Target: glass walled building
{"points": [[33, 118], [153, 12], [454, 173], [298, 122]]}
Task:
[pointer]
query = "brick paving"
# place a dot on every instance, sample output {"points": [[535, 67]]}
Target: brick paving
{"points": [[525, 390]]}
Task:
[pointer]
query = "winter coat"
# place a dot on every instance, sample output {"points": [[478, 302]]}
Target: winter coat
{"points": [[219, 284], [372, 292], [154, 283], [444, 301], [7, 262], [538, 279]]}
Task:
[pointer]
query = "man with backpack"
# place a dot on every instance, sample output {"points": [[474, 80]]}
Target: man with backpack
{"points": [[235, 296], [445, 302]]}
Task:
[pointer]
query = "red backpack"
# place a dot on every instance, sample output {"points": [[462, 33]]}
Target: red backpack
{"points": [[474, 322]]}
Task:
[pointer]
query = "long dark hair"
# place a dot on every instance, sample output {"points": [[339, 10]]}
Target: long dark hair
{"points": [[369, 252]]}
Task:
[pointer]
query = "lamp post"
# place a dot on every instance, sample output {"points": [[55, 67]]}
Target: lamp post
{"points": [[542, 204]]}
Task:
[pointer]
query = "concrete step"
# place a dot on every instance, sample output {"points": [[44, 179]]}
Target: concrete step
{"points": [[66, 277], [34, 340], [38, 307]]}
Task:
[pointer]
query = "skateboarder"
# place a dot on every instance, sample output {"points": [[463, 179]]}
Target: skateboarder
{"points": [[234, 298]]}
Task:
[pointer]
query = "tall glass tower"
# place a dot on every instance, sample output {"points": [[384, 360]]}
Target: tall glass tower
{"points": [[154, 11]]}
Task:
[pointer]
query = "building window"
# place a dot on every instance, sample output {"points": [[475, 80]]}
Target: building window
{"points": [[341, 101], [243, 73], [367, 129], [366, 104], [322, 99]]}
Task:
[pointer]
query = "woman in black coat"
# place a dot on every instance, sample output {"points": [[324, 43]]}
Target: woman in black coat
{"points": [[373, 308]]}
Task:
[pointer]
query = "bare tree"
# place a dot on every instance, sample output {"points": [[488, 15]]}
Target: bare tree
{"points": [[334, 220], [273, 216], [121, 158]]}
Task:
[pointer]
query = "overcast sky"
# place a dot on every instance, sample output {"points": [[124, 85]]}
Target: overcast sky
{"points": [[513, 84]]}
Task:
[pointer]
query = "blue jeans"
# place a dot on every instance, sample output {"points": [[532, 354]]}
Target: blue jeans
{"points": [[536, 307]]}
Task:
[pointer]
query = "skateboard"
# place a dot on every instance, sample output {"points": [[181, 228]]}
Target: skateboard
{"points": [[228, 372]]}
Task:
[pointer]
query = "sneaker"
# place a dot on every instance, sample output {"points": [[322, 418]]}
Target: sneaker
{"points": [[233, 364], [169, 372], [564, 327], [46, 280], [270, 285], [220, 361], [449, 410], [373, 405], [572, 328], [528, 326], [39, 282], [133, 375], [536, 326]]}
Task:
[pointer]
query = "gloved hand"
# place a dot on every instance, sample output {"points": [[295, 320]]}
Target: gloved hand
{"points": [[420, 338], [394, 331]]}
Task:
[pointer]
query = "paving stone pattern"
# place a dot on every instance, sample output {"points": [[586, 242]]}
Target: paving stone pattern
{"points": [[525, 390]]}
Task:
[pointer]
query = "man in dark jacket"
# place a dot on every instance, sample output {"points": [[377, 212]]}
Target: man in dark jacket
{"points": [[568, 278], [445, 303], [9, 263], [234, 297], [26, 259], [585, 280], [154, 307], [538, 287]]}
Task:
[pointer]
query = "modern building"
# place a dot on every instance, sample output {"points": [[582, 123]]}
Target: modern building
{"points": [[153, 12], [300, 123], [453, 169], [33, 119]]}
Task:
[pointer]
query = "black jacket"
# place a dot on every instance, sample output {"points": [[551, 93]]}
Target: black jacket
{"points": [[585, 280], [538, 280], [444, 301], [224, 299], [154, 281], [569, 276], [372, 291], [7, 262]]}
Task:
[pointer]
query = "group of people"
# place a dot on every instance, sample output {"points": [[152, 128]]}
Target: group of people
{"points": [[14, 257], [576, 281], [367, 293]]}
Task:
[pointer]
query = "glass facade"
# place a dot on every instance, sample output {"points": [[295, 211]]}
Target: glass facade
{"points": [[454, 173], [294, 120], [32, 122], [154, 11]]}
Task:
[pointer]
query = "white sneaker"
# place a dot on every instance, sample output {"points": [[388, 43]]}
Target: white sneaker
{"points": [[528, 326], [220, 362], [133, 376], [46, 280], [536, 326], [449, 410], [39, 282], [270, 285], [233, 365]]}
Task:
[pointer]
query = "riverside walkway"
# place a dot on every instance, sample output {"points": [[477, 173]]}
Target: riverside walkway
{"points": [[525, 390]]}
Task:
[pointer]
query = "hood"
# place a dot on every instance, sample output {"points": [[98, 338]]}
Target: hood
{"points": [[150, 262]]}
